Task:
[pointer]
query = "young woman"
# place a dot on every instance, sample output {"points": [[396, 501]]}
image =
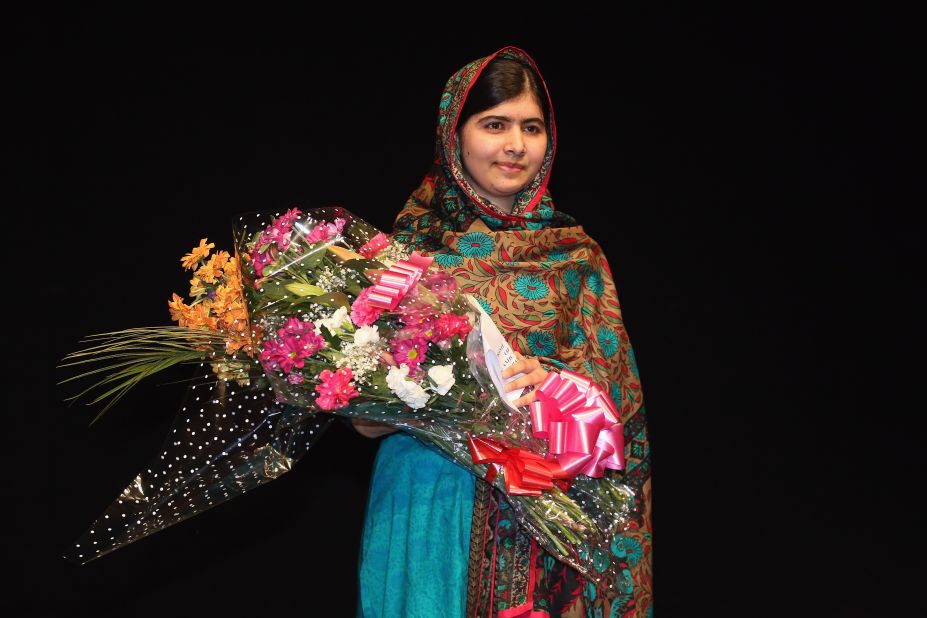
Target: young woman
{"points": [[437, 541]]}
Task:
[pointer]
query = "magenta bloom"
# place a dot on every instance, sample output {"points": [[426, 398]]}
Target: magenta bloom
{"points": [[450, 324], [260, 259], [294, 378], [290, 351], [409, 351], [440, 284], [309, 341], [279, 232], [274, 239], [296, 327], [362, 312], [336, 389], [427, 330], [416, 313], [325, 231], [283, 355], [288, 218]]}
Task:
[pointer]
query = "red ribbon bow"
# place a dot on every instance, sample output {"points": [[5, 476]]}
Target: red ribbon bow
{"points": [[396, 282], [580, 423], [526, 473]]}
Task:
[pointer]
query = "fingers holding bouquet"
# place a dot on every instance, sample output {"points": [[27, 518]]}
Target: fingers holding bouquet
{"points": [[534, 373], [373, 429]]}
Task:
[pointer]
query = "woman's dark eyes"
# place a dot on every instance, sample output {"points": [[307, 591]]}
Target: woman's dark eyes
{"points": [[498, 125]]}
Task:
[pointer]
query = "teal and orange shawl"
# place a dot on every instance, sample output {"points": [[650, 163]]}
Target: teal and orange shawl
{"points": [[548, 287]]}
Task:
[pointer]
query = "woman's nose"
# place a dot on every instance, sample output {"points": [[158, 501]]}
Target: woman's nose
{"points": [[516, 143]]}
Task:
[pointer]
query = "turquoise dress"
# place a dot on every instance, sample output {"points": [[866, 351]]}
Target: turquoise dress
{"points": [[416, 540]]}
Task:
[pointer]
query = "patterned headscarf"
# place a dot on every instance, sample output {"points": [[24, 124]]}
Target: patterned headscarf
{"points": [[549, 289], [446, 202]]}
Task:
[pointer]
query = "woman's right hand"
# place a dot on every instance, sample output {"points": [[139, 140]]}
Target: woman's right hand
{"points": [[373, 429]]}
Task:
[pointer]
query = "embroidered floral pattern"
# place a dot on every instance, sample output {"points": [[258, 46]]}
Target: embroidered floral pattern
{"points": [[475, 244], [576, 335], [572, 282], [541, 343], [608, 341], [530, 286]]}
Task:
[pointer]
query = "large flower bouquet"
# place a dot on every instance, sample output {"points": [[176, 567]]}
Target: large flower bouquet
{"points": [[319, 314]]}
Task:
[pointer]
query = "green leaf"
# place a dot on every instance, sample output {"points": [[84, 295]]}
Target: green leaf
{"points": [[332, 299], [354, 288], [330, 338], [303, 289], [361, 265], [311, 259], [273, 289]]}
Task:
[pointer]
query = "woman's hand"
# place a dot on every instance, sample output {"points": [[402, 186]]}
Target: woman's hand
{"points": [[534, 374], [373, 429]]}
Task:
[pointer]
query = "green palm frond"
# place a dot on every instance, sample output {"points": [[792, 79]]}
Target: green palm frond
{"points": [[129, 356]]}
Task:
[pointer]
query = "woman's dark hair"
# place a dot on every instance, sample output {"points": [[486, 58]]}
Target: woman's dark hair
{"points": [[501, 80]]}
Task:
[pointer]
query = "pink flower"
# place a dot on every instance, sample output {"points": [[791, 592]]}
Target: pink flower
{"points": [[318, 234], [288, 218], [362, 312], [326, 231], [270, 354], [440, 284], [294, 378], [296, 327], [260, 259], [336, 389], [311, 341], [416, 312], [274, 239], [427, 329], [409, 351], [291, 351], [450, 324]]}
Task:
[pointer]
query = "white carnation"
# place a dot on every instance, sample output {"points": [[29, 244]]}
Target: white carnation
{"points": [[366, 334], [333, 322], [396, 376], [443, 378], [408, 391]]}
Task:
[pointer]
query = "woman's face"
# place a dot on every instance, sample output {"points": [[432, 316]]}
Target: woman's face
{"points": [[503, 148]]}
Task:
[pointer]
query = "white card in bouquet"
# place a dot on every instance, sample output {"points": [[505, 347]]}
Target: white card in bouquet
{"points": [[498, 353]]}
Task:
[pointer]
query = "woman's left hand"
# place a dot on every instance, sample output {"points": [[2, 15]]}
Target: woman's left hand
{"points": [[534, 374]]}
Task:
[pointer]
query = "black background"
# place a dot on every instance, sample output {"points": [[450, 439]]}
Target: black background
{"points": [[750, 177]]}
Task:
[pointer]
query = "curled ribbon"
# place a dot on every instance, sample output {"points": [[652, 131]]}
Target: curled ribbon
{"points": [[580, 423], [526, 473], [374, 246], [398, 280]]}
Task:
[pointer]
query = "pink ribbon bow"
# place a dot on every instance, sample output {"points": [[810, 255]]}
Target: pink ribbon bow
{"points": [[374, 246], [580, 423], [396, 282]]}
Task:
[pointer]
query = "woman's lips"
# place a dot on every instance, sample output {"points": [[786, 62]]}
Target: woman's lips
{"points": [[510, 168]]}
